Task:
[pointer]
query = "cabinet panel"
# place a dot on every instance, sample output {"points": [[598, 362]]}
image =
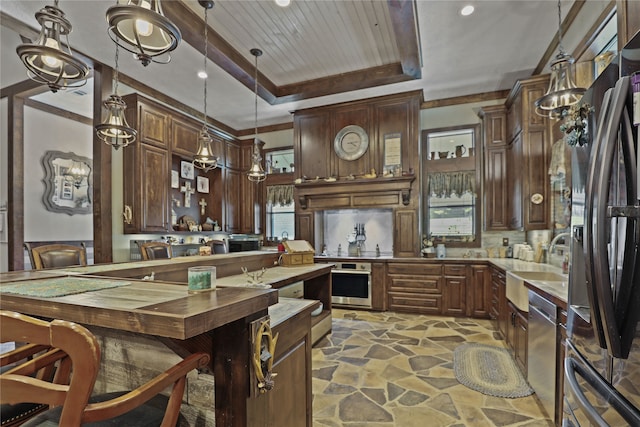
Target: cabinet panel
{"points": [[499, 310], [405, 228], [520, 347], [155, 189], [415, 303], [184, 137], [312, 136], [495, 190], [233, 156], [378, 286], [415, 268], [424, 285], [454, 295], [480, 292], [232, 180], [304, 227], [515, 183], [536, 216], [153, 126]]}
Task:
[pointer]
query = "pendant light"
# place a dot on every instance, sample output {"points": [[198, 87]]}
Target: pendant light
{"points": [[115, 130], [562, 92], [77, 173], [49, 60], [204, 158], [256, 173], [141, 28]]}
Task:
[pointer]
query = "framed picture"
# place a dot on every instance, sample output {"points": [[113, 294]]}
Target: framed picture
{"points": [[392, 151], [202, 184], [175, 179], [186, 170]]}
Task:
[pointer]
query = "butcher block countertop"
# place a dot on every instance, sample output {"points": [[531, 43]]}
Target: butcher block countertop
{"points": [[148, 307]]}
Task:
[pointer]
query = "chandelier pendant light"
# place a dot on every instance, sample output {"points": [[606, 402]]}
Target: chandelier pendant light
{"points": [[204, 158], [115, 130], [562, 92], [49, 60], [141, 28], [256, 173], [77, 173]]}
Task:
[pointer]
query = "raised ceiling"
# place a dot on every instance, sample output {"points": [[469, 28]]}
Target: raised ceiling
{"points": [[317, 52]]}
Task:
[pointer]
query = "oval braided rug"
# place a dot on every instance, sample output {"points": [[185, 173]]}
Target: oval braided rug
{"points": [[489, 370]]}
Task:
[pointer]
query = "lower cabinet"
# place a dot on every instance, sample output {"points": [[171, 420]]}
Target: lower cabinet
{"points": [[415, 288], [498, 311], [454, 301], [517, 335], [479, 292]]}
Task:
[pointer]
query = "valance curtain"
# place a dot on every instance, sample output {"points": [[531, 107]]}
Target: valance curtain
{"points": [[280, 194], [447, 184]]}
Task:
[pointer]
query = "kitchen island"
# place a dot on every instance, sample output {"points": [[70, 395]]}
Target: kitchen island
{"points": [[219, 322]]}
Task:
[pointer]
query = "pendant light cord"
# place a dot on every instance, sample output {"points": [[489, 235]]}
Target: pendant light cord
{"points": [[115, 75], [206, 53], [560, 48], [255, 90]]}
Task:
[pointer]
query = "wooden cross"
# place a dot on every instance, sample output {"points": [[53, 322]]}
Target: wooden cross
{"points": [[188, 191], [203, 204]]}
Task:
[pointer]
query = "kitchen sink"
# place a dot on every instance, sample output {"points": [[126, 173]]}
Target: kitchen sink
{"points": [[518, 293]]}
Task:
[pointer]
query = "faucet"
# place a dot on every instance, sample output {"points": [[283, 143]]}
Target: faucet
{"points": [[552, 245]]}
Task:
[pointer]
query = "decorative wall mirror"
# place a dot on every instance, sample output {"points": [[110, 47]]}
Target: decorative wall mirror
{"points": [[67, 183]]}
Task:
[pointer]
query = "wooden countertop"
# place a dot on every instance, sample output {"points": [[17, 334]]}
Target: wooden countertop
{"points": [[154, 308]]}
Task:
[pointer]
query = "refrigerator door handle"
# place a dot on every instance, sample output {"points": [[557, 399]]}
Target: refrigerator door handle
{"points": [[572, 369], [599, 197], [589, 256]]}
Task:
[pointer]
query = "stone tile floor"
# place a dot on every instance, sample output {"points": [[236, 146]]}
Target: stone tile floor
{"points": [[392, 369]]}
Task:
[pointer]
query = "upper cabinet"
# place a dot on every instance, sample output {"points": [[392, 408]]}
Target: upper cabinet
{"points": [[161, 186], [517, 148]]}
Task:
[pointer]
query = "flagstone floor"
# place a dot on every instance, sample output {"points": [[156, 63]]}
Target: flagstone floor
{"points": [[392, 369]]}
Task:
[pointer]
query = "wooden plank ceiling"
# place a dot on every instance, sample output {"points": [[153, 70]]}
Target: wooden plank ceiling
{"points": [[370, 43]]}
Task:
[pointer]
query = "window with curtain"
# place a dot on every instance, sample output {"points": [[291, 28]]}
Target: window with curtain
{"points": [[280, 211], [451, 176]]}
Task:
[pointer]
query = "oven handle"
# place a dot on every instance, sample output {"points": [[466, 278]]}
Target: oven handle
{"points": [[351, 272]]}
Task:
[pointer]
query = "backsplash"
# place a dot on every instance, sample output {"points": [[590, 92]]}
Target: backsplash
{"points": [[346, 229]]}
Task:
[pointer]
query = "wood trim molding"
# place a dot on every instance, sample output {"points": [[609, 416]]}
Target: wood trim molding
{"points": [[466, 99], [265, 129], [57, 111], [595, 30]]}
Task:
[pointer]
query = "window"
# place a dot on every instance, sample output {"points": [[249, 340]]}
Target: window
{"points": [[280, 212], [451, 183]]}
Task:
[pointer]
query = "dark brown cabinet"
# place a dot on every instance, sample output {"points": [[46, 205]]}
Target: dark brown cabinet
{"points": [[455, 290], [415, 288], [498, 311], [517, 335], [479, 292], [530, 141], [405, 237], [496, 204]]}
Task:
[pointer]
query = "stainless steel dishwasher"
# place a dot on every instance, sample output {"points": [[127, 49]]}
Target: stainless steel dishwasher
{"points": [[541, 362]]}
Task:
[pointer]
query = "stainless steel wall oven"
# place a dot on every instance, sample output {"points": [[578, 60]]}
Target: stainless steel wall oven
{"points": [[351, 284]]}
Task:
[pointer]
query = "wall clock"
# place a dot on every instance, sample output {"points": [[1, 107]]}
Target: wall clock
{"points": [[351, 142]]}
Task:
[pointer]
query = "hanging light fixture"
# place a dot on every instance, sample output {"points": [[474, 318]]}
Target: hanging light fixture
{"points": [[77, 173], [562, 92], [49, 60], [204, 158], [115, 130], [256, 173], [141, 28]]}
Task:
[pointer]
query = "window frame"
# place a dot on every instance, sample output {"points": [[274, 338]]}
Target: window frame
{"points": [[452, 165]]}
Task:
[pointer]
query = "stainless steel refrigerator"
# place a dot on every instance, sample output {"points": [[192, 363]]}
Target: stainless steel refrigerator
{"points": [[602, 365]]}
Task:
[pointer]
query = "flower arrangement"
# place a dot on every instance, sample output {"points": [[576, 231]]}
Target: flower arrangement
{"points": [[574, 124]]}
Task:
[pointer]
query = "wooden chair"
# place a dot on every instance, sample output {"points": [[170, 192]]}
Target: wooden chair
{"points": [[56, 255], [155, 250], [218, 246], [40, 355], [78, 352]]}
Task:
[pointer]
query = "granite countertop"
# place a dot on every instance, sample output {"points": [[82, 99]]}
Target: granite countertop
{"points": [[556, 291]]}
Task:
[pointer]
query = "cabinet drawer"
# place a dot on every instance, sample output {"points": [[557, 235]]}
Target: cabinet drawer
{"points": [[455, 270], [415, 268], [415, 303], [420, 285]]}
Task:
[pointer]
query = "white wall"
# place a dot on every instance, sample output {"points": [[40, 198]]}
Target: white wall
{"points": [[44, 132]]}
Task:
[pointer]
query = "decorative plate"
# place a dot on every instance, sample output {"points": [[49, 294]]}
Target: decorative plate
{"points": [[351, 142]]}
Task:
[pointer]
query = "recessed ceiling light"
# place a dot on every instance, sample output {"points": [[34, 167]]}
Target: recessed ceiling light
{"points": [[467, 10], [283, 3], [202, 74]]}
